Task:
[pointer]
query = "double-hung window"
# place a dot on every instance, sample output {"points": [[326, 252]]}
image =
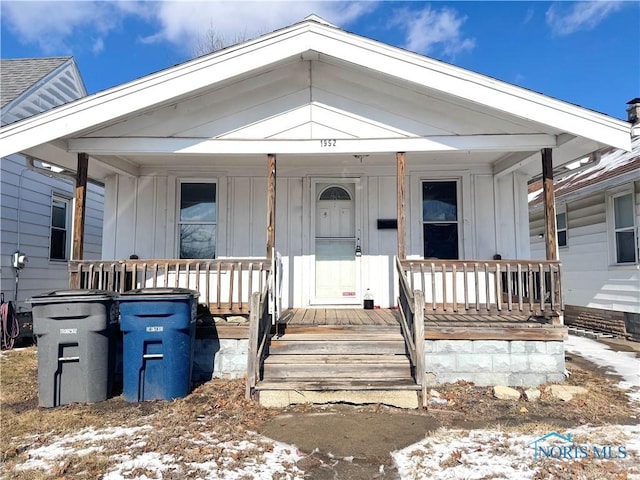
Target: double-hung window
{"points": [[624, 228], [197, 220], [440, 224], [561, 227], [59, 236]]}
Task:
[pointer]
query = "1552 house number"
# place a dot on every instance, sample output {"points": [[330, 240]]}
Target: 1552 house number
{"points": [[328, 142]]}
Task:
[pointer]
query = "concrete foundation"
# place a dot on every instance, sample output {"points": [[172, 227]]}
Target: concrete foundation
{"points": [[394, 398], [494, 362]]}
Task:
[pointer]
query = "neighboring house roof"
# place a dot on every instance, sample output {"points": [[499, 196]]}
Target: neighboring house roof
{"points": [[563, 126], [29, 86], [614, 163]]}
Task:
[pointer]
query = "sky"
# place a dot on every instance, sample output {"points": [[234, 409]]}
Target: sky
{"points": [[585, 53]]}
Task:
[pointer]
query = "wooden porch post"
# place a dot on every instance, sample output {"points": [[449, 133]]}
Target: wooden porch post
{"points": [[271, 204], [549, 205], [402, 237], [79, 206]]}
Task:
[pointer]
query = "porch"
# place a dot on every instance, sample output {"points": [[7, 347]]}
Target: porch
{"points": [[496, 313]]}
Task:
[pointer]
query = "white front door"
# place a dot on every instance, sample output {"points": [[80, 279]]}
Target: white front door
{"points": [[335, 243]]}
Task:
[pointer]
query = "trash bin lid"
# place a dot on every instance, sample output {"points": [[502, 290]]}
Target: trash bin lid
{"points": [[159, 293], [72, 295]]}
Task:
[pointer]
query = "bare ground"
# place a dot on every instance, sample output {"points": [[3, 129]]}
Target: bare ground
{"points": [[335, 441]]}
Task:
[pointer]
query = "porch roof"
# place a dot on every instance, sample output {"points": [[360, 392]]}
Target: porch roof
{"points": [[483, 114]]}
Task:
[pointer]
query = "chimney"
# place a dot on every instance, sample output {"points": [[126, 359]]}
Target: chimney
{"points": [[633, 111]]}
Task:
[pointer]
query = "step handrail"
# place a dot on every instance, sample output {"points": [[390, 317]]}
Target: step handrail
{"points": [[411, 306], [259, 330]]}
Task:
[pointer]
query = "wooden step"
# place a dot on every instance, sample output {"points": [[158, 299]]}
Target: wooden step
{"points": [[336, 359], [340, 336], [337, 347], [338, 385], [312, 371]]}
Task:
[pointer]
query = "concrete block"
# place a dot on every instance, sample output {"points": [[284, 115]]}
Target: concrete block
{"points": [[555, 348], [429, 346], [233, 366], [517, 346], [519, 362], [490, 346], [479, 362], [539, 363], [501, 362], [526, 379], [452, 377], [456, 346], [438, 362], [535, 347]]}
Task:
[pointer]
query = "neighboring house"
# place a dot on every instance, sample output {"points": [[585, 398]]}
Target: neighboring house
{"points": [[332, 164], [598, 216], [36, 198]]}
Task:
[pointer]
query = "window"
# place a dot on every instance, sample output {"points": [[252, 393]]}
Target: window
{"points": [[561, 227], [197, 220], [440, 219], [59, 241], [624, 229]]}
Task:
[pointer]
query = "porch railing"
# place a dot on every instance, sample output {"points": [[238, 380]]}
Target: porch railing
{"points": [[225, 285], [259, 330], [481, 287], [411, 304]]}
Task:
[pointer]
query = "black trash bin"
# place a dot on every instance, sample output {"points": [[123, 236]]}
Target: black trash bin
{"points": [[158, 326], [77, 332]]}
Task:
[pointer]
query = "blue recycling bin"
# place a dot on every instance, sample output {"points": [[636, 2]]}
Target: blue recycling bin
{"points": [[158, 326]]}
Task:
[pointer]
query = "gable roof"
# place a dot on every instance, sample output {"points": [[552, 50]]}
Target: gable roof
{"points": [[614, 164], [309, 39], [19, 74], [29, 86]]}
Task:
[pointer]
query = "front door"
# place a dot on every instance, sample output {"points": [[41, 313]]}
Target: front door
{"points": [[335, 243]]}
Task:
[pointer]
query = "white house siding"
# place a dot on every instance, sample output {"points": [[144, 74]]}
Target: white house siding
{"points": [[141, 215], [25, 199], [590, 277]]}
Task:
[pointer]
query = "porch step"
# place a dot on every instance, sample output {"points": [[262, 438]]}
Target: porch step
{"points": [[338, 363], [297, 346]]}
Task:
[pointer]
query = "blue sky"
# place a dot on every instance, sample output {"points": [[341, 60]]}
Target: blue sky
{"points": [[587, 53]]}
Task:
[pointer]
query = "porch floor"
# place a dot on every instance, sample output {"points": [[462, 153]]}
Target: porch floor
{"points": [[339, 316]]}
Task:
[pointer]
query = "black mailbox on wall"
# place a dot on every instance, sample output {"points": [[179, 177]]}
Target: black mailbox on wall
{"points": [[387, 223]]}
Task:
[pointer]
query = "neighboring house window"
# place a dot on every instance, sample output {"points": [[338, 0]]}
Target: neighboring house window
{"points": [[561, 227], [59, 242], [624, 228], [197, 220], [440, 224]]}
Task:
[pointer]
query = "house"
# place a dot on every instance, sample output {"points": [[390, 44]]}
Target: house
{"points": [[36, 196], [285, 176], [598, 214]]}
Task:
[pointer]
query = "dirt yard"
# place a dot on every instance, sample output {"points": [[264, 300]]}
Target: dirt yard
{"points": [[215, 433]]}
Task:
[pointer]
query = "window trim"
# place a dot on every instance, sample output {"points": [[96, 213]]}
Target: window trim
{"points": [[459, 217], [68, 203], [611, 224], [179, 223]]}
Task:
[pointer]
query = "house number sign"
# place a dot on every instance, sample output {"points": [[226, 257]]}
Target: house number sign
{"points": [[328, 142]]}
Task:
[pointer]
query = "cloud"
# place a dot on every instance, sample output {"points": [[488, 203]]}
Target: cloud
{"points": [[432, 31], [529, 16], [62, 27], [185, 22], [567, 19], [68, 27]]}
